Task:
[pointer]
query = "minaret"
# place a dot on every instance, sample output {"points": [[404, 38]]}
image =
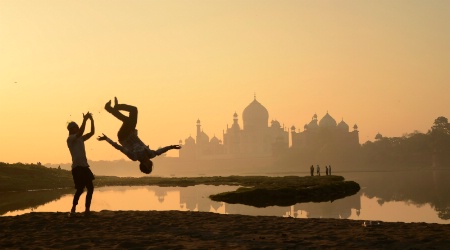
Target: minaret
{"points": [[198, 129]]}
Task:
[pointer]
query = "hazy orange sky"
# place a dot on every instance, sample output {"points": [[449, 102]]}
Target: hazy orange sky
{"points": [[383, 65]]}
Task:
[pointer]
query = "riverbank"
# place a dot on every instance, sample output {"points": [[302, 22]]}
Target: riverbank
{"points": [[201, 230]]}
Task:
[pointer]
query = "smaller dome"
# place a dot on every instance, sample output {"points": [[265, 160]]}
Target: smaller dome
{"points": [[342, 125], [203, 136], [355, 127], [293, 128], [235, 115], [189, 140], [215, 140]]}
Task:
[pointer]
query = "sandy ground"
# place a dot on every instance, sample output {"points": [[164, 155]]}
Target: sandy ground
{"points": [[201, 230]]}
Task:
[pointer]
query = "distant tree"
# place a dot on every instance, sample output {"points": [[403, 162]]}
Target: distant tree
{"points": [[440, 142], [441, 126]]}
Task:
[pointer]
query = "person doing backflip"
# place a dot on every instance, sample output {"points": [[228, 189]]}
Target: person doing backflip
{"points": [[81, 173], [130, 144]]}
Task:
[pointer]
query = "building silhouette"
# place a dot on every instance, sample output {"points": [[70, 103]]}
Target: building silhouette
{"points": [[255, 139], [325, 133]]}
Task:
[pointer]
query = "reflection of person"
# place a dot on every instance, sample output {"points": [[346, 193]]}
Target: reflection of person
{"points": [[312, 170], [81, 173], [130, 144], [318, 170]]}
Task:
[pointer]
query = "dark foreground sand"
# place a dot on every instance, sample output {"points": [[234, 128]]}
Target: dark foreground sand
{"points": [[200, 230]]}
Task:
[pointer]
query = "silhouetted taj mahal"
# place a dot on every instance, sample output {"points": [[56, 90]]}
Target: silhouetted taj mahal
{"points": [[256, 139]]}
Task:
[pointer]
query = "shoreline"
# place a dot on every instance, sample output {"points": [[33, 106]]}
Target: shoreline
{"points": [[193, 230]]}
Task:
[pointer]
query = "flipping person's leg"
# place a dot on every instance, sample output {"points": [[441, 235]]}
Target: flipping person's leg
{"points": [[115, 112], [129, 124]]}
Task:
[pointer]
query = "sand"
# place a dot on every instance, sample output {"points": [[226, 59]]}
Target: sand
{"points": [[202, 230]]}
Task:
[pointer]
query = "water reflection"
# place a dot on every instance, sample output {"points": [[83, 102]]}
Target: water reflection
{"points": [[414, 196]]}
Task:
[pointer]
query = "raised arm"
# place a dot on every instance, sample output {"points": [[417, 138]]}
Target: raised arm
{"points": [[114, 144], [80, 131], [90, 134]]}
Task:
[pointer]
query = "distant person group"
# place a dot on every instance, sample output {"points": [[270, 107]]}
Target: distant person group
{"points": [[129, 144], [327, 170]]}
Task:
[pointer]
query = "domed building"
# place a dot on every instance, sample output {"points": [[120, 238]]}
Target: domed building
{"points": [[255, 139], [325, 134]]}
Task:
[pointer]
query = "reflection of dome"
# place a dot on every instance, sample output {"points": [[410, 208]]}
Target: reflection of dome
{"points": [[342, 125], [255, 115], [327, 121]]}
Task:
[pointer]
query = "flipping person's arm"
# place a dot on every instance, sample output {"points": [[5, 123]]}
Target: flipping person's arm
{"points": [[114, 144], [161, 151]]}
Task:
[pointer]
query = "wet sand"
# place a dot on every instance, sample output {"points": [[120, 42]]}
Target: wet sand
{"points": [[201, 230]]}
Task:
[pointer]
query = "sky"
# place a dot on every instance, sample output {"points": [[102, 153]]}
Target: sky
{"points": [[383, 65]]}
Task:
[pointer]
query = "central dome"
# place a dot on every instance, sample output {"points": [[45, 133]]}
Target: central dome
{"points": [[255, 115], [327, 121]]}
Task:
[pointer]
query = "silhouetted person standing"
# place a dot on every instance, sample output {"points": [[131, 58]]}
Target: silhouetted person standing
{"points": [[312, 170], [81, 173], [130, 144], [318, 170], [326, 170]]}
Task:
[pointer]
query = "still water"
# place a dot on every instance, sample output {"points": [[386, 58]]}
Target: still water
{"points": [[418, 196], [357, 207]]}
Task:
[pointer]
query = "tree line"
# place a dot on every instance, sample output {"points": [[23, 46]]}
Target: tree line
{"points": [[430, 149]]}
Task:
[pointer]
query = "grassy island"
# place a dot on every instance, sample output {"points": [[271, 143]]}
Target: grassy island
{"points": [[289, 190]]}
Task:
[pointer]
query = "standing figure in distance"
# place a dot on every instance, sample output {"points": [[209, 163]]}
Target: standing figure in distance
{"points": [[81, 173], [318, 170], [130, 144], [312, 170]]}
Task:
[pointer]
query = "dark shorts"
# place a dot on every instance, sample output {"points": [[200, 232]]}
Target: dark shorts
{"points": [[82, 177]]}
